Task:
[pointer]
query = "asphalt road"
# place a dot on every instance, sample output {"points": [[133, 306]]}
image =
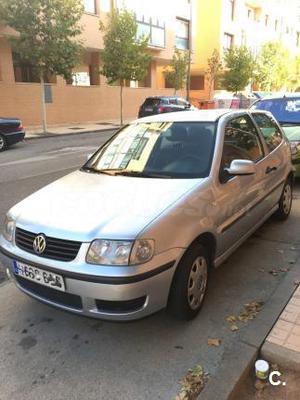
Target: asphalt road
{"points": [[49, 354]]}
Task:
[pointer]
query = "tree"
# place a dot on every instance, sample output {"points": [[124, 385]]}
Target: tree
{"points": [[176, 73], [272, 66], [239, 68], [125, 56], [213, 70], [47, 36], [294, 78]]}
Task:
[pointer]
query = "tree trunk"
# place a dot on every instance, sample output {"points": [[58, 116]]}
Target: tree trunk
{"points": [[121, 102], [44, 115]]}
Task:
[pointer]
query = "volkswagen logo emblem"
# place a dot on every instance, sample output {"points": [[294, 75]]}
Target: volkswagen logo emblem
{"points": [[39, 244]]}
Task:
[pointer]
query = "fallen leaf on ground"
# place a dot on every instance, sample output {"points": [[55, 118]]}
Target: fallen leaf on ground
{"points": [[274, 272], [259, 384], [192, 384], [214, 342], [234, 328], [231, 318], [284, 270], [250, 310]]}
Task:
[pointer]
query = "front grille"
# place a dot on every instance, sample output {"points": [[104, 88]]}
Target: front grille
{"points": [[118, 307], [56, 296], [56, 249]]}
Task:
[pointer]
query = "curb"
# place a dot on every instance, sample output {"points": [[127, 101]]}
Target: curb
{"points": [[51, 135], [286, 358], [239, 358]]}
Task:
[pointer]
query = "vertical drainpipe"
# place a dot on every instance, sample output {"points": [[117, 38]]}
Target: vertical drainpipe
{"points": [[188, 80]]}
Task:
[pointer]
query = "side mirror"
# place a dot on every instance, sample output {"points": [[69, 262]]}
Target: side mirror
{"points": [[89, 156], [187, 106], [241, 167]]}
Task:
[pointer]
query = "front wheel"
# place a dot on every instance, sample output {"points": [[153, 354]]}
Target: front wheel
{"points": [[3, 143], [285, 201], [189, 285]]}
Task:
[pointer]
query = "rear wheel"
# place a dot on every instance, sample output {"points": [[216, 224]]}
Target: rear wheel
{"points": [[285, 202], [189, 284], [3, 143]]}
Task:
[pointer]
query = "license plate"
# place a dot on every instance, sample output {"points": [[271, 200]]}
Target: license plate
{"points": [[148, 109], [40, 276]]}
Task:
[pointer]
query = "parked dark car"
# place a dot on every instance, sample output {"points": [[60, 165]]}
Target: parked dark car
{"points": [[11, 132], [286, 109], [163, 104]]}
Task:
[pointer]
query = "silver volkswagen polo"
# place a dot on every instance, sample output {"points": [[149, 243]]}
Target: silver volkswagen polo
{"points": [[139, 226]]}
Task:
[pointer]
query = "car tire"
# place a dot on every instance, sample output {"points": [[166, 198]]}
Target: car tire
{"points": [[3, 143], [189, 284], [285, 201]]}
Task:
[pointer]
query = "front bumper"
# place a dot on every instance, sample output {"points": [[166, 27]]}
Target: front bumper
{"points": [[124, 297]]}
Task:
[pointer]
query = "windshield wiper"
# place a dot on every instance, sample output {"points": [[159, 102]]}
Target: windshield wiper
{"points": [[98, 171], [141, 174]]}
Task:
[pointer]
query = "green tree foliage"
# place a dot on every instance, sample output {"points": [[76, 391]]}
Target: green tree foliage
{"points": [[47, 34], [125, 56], [239, 68], [176, 73], [273, 68], [294, 76], [213, 71]]}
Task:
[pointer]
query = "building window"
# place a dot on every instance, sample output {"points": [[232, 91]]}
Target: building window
{"points": [[266, 20], [89, 6], [298, 39], [227, 41], [182, 34], [276, 24], [153, 28], [197, 82], [26, 72], [250, 13], [105, 5]]}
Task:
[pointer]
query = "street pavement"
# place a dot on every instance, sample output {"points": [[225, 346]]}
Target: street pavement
{"points": [[46, 353]]}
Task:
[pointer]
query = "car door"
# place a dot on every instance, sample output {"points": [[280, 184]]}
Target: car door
{"points": [[275, 160], [236, 195]]}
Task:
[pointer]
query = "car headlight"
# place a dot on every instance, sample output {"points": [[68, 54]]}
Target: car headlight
{"points": [[120, 252], [9, 228], [295, 147]]}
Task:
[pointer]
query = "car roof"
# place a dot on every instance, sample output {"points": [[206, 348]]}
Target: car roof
{"points": [[190, 116], [281, 96]]}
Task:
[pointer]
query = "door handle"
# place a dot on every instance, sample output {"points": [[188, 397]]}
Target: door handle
{"points": [[270, 169]]}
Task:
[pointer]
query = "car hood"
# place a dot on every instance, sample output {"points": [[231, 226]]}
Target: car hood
{"points": [[83, 206], [292, 132]]}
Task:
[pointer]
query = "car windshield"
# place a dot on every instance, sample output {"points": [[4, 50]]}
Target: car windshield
{"points": [[158, 150], [284, 110]]}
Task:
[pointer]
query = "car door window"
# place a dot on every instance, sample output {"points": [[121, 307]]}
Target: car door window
{"points": [[173, 101], [269, 129], [241, 141]]}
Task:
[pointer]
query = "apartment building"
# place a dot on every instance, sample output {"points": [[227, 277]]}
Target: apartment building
{"points": [[88, 97], [222, 24], [198, 25]]}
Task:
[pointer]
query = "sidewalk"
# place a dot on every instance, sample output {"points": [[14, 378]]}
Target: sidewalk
{"points": [[282, 345], [71, 129]]}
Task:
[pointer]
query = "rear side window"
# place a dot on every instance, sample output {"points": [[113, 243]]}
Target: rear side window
{"points": [[241, 141], [269, 129], [173, 101], [151, 102]]}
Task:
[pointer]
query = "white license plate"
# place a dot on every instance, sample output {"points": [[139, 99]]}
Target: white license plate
{"points": [[40, 276], [148, 109]]}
